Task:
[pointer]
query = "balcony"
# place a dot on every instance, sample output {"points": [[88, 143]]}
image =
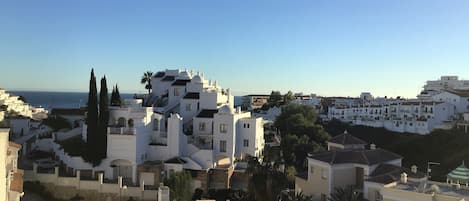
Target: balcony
{"points": [[121, 131]]}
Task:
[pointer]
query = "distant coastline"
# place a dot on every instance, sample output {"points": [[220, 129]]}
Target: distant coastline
{"points": [[51, 99]]}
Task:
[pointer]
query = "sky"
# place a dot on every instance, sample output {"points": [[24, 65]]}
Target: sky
{"points": [[326, 47]]}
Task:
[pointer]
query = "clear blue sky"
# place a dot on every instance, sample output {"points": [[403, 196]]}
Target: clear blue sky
{"points": [[387, 47]]}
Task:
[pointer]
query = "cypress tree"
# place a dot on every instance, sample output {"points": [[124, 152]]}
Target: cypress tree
{"points": [[116, 97], [92, 119], [103, 118]]}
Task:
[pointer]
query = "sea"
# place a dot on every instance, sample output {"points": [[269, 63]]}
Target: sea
{"points": [[49, 100]]}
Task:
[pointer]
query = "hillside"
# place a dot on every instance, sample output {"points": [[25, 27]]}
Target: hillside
{"points": [[448, 147]]}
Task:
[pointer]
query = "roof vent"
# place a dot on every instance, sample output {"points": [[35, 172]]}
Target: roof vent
{"points": [[413, 169], [372, 146]]}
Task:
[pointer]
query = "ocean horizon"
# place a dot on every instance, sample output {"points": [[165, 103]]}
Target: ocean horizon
{"points": [[58, 99]]}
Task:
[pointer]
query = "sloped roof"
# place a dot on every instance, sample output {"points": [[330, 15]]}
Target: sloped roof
{"points": [[207, 113], [462, 93], [192, 95], [159, 74], [175, 160], [168, 78], [387, 173], [460, 174], [180, 82], [346, 139], [365, 157]]}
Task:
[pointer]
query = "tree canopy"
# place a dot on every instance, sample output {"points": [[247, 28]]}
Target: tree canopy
{"points": [[180, 185], [146, 80], [299, 132]]}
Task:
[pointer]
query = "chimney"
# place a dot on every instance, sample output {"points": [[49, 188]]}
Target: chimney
{"points": [[413, 169], [372, 146], [404, 178]]}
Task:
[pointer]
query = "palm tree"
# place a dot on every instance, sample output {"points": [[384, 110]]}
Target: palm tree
{"points": [[298, 197], [146, 80], [265, 182], [346, 194]]}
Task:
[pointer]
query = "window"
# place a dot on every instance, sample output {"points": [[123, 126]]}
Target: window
{"points": [[222, 128], [202, 126], [222, 146], [188, 107], [176, 91], [246, 125], [323, 173], [156, 125], [246, 143]]}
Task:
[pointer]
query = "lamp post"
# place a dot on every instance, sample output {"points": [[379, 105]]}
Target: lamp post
{"points": [[429, 163]]}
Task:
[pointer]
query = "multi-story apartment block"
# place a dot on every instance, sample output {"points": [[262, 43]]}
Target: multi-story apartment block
{"points": [[401, 116], [193, 126]]}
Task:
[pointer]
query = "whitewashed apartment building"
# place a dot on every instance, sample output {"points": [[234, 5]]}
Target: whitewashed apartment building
{"points": [[12, 103], [440, 105], [192, 126]]}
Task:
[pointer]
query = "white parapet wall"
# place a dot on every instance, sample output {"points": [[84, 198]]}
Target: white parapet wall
{"points": [[91, 185]]}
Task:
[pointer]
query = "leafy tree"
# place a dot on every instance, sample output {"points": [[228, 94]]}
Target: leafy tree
{"points": [[291, 174], [300, 133], [288, 97], [146, 80], [197, 194], [346, 194], [103, 118], [265, 182], [180, 184], [275, 99], [92, 121], [295, 118], [288, 144]]}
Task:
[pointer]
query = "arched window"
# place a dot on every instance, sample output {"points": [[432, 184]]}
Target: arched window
{"points": [[121, 122], [131, 123]]}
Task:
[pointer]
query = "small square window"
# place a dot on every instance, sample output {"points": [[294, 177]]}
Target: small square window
{"points": [[246, 143]]}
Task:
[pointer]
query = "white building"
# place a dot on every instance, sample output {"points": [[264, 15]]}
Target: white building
{"points": [[11, 178], [446, 82], [12, 104], [346, 163], [193, 125]]}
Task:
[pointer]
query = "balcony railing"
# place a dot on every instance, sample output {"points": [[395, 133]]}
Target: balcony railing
{"points": [[122, 131]]}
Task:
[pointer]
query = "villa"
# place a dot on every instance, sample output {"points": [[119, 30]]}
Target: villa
{"points": [[376, 174]]}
